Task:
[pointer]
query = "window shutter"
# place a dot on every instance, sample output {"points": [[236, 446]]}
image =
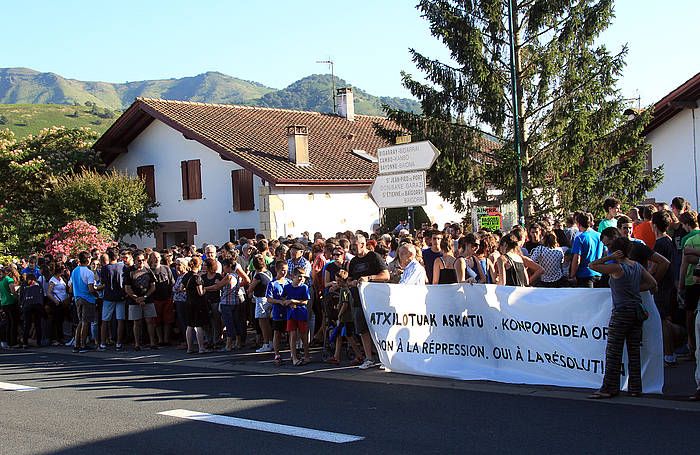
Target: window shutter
{"points": [[185, 186], [194, 179], [247, 200], [242, 184], [235, 184], [147, 174], [248, 233]]}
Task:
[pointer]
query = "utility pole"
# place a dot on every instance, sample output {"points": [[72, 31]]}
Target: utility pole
{"points": [[329, 62], [516, 113]]}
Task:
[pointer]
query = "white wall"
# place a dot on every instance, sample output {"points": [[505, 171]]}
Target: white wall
{"points": [[672, 146], [324, 209], [164, 148], [329, 210]]}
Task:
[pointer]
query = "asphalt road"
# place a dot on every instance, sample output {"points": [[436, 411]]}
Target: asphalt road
{"points": [[108, 403]]}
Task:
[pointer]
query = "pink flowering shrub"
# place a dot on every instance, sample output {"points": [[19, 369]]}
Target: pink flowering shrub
{"points": [[77, 236]]}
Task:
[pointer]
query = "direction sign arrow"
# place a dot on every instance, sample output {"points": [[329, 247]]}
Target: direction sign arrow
{"points": [[399, 190], [414, 156]]}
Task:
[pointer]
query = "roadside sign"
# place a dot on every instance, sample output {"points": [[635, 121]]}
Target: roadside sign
{"points": [[399, 190], [414, 156]]}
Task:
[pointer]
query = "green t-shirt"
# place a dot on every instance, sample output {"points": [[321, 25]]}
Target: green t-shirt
{"points": [[693, 242], [7, 297], [606, 223], [688, 236]]}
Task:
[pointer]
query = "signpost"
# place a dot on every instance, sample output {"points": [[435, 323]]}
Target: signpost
{"points": [[414, 156], [399, 190], [401, 180]]}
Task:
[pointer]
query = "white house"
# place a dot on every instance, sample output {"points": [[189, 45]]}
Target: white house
{"points": [[220, 172], [674, 136]]}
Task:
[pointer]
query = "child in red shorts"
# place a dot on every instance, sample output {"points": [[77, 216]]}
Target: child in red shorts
{"points": [[296, 296]]}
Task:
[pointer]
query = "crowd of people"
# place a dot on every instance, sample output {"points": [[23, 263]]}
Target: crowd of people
{"points": [[264, 294]]}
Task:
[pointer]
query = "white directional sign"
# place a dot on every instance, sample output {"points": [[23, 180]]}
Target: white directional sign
{"points": [[414, 156], [399, 190]]}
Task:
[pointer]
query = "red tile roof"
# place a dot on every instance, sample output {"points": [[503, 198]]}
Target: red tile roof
{"points": [[682, 97], [256, 138]]}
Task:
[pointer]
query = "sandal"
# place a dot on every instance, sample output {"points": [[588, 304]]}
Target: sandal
{"points": [[278, 360], [298, 362], [333, 361], [601, 395]]}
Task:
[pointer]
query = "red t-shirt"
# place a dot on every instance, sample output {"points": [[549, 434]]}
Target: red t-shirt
{"points": [[645, 233]]}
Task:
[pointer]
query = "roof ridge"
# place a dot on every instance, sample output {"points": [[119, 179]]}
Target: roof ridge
{"points": [[243, 106]]}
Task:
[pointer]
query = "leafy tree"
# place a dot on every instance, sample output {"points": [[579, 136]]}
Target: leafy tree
{"points": [[577, 147], [114, 202], [53, 178]]}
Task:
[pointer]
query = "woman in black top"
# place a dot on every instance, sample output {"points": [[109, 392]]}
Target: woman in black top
{"points": [[197, 312], [210, 278]]}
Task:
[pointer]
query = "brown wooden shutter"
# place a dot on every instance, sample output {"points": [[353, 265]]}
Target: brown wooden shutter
{"points": [[147, 174], [235, 182], [242, 185], [194, 179], [185, 186]]}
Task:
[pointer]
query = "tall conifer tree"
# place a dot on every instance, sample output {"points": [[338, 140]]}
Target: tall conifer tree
{"points": [[577, 145]]}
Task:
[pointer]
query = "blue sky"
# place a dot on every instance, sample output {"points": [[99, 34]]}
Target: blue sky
{"points": [[278, 42]]}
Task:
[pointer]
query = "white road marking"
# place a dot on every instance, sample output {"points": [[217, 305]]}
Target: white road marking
{"points": [[16, 387], [299, 432]]}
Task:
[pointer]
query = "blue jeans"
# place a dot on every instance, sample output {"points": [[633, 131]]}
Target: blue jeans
{"points": [[235, 326]]}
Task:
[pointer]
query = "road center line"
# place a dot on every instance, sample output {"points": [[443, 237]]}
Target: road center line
{"points": [[16, 387], [299, 432]]}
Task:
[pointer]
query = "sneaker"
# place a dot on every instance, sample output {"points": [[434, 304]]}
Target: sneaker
{"points": [[76, 350], [4, 345], [368, 363], [102, 348], [71, 342], [119, 348], [265, 348], [83, 350]]}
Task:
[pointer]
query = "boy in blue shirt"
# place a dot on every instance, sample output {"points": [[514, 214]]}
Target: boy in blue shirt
{"points": [[274, 294], [587, 247], [296, 296]]}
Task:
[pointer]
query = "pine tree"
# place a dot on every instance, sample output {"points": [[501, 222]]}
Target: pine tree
{"points": [[577, 145]]}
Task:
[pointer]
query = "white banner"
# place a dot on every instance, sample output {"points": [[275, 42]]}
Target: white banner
{"points": [[502, 333]]}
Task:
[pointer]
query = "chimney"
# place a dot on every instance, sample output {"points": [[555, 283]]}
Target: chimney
{"points": [[346, 104], [298, 144]]}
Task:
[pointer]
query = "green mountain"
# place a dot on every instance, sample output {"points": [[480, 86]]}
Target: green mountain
{"points": [[313, 93], [26, 86]]}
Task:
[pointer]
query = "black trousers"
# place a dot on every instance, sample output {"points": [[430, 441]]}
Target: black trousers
{"points": [[32, 314], [624, 327], [12, 312]]}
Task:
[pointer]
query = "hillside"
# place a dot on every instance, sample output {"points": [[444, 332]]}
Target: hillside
{"points": [[26, 119], [26, 86]]}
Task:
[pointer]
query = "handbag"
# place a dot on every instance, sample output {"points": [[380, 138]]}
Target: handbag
{"points": [[641, 312]]}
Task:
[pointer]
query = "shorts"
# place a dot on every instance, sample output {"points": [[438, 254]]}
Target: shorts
{"points": [[263, 309], [138, 312], [279, 325], [358, 315], [294, 324], [109, 308], [86, 311], [165, 311], [692, 295]]}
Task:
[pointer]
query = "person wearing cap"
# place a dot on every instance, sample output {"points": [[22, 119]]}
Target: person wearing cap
{"points": [[297, 259]]}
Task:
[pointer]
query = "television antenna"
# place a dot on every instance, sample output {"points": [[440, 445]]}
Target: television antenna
{"points": [[330, 63]]}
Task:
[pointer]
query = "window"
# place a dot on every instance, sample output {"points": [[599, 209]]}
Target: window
{"points": [[247, 233], [242, 184], [146, 173], [191, 179]]}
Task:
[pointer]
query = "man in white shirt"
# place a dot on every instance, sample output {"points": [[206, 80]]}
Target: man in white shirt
{"points": [[413, 272]]}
